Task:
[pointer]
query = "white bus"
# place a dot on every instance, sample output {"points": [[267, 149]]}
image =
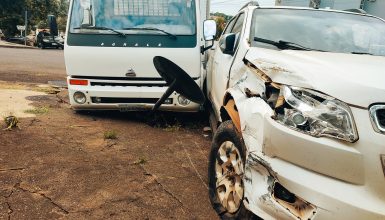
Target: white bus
{"points": [[110, 46]]}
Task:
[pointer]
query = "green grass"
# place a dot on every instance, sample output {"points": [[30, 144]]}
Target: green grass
{"points": [[173, 128], [47, 90], [141, 161], [37, 110], [110, 135]]}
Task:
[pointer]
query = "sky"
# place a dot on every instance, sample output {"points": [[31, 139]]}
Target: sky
{"points": [[231, 7]]}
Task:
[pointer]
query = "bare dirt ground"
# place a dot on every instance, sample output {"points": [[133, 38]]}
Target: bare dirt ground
{"points": [[59, 164]]}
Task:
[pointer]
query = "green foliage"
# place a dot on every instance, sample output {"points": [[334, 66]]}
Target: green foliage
{"points": [[12, 14], [221, 24], [226, 17], [110, 135], [140, 161], [221, 20], [40, 9], [37, 110]]}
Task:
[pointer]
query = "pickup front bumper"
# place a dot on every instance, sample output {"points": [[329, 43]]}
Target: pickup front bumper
{"points": [[330, 179]]}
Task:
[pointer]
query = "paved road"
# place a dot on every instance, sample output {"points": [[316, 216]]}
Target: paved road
{"points": [[32, 66]]}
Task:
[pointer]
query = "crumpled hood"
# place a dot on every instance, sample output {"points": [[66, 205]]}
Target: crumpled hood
{"points": [[355, 79]]}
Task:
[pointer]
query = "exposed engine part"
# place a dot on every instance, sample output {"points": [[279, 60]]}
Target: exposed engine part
{"points": [[300, 208], [282, 193]]}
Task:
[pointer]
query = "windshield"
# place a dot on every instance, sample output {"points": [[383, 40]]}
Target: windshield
{"points": [[176, 17], [320, 30]]}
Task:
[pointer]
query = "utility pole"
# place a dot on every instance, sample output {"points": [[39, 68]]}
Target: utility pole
{"points": [[26, 25]]}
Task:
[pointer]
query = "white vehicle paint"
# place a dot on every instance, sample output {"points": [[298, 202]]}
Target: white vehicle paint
{"points": [[107, 70], [325, 175]]}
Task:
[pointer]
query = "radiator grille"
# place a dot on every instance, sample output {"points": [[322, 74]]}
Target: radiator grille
{"points": [[108, 100], [128, 84]]}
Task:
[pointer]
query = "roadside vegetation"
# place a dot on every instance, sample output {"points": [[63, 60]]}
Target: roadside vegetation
{"points": [[37, 110], [221, 20], [12, 13], [110, 135]]}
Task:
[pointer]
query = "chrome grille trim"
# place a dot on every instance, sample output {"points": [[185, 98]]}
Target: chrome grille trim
{"points": [[373, 112]]}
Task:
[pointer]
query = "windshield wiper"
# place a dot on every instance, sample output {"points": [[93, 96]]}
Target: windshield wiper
{"points": [[284, 44], [152, 29], [102, 28], [361, 53]]}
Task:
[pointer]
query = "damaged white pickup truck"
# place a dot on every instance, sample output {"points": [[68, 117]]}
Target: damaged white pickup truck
{"points": [[300, 94]]}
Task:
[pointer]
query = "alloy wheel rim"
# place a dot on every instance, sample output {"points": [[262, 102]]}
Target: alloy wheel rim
{"points": [[229, 174]]}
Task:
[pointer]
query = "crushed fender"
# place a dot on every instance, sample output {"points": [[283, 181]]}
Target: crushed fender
{"points": [[233, 113], [276, 196]]}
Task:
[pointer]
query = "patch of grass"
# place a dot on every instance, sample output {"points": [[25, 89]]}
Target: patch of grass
{"points": [[37, 110], [8, 85], [110, 135], [140, 161], [47, 90], [173, 128]]}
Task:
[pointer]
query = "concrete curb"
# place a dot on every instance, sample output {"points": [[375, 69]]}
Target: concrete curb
{"points": [[16, 46]]}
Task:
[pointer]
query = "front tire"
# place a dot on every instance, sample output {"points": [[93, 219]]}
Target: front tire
{"points": [[226, 170]]}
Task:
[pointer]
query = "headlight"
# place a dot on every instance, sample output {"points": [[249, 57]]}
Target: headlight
{"points": [[316, 114], [80, 98], [183, 101], [45, 40]]}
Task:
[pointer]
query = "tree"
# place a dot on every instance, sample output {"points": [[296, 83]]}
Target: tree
{"points": [[11, 14], [221, 20], [40, 9], [221, 24], [225, 16], [62, 14]]}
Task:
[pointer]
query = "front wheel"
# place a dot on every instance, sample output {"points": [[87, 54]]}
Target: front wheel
{"points": [[226, 170]]}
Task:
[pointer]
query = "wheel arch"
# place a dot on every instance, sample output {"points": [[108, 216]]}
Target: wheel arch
{"points": [[229, 111]]}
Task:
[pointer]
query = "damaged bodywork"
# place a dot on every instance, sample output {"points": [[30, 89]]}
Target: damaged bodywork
{"points": [[311, 152], [275, 199], [256, 90]]}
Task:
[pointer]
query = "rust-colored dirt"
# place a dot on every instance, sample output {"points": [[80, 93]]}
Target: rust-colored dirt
{"points": [[58, 165]]}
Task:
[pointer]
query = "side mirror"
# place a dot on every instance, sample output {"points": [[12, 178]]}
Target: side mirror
{"points": [[52, 25], [209, 30], [227, 44]]}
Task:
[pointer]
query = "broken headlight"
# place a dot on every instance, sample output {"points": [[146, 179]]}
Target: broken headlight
{"points": [[316, 114]]}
